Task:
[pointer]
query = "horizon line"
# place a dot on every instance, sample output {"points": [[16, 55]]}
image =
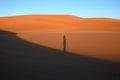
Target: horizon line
{"points": [[57, 14]]}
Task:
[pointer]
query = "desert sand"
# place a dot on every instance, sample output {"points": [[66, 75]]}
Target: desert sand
{"points": [[57, 23], [96, 37], [37, 40]]}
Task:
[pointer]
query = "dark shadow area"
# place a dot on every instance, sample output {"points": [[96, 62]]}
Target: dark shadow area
{"points": [[22, 60], [6, 32]]}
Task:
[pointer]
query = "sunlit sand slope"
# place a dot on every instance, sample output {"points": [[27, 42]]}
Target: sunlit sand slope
{"points": [[57, 23], [96, 37], [104, 45]]}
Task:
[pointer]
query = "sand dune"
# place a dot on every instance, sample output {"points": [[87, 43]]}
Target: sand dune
{"points": [[21, 59], [57, 23], [103, 45], [96, 37]]}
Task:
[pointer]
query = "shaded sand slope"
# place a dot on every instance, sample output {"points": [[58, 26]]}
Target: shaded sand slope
{"points": [[23, 60], [57, 23]]}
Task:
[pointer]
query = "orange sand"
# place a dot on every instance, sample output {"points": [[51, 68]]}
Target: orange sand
{"points": [[57, 23], [95, 37]]}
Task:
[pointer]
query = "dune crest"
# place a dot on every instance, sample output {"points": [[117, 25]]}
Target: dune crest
{"points": [[57, 23]]}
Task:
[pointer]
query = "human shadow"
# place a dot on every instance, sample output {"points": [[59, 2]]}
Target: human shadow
{"points": [[64, 43], [23, 60]]}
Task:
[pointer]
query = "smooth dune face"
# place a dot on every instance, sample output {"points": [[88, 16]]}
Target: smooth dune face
{"points": [[57, 23], [94, 37], [39, 23], [51, 40], [103, 45]]}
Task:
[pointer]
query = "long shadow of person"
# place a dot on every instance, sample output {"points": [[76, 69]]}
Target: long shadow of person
{"points": [[23, 60], [64, 43]]}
